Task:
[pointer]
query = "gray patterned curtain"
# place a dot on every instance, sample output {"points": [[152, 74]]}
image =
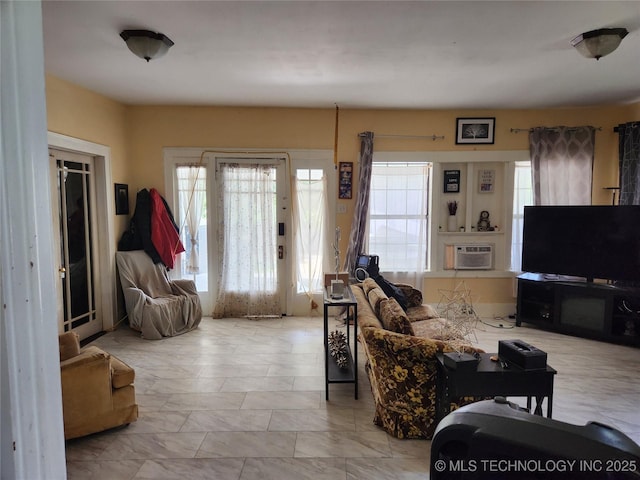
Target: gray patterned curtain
{"points": [[629, 153], [359, 222], [562, 165]]}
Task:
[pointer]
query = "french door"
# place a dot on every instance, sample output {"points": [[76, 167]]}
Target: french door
{"points": [[303, 228], [252, 212], [73, 205]]}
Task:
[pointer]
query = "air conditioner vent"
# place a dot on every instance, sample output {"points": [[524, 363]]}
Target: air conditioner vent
{"points": [[473, 257]]}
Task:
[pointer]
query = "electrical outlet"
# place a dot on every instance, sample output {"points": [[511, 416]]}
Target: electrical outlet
{"points": [[342, 208]]}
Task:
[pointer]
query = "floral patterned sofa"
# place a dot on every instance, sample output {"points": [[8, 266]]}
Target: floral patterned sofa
{"points": [[400, 349]]}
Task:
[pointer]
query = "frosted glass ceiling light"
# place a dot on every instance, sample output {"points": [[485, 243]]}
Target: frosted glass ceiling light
{"points": [[598, 43], [146, 44]]}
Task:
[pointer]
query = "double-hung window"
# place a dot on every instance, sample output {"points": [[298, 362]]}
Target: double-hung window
{"points": [[398, 220]]}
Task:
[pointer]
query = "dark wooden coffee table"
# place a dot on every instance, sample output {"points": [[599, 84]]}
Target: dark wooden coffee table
{"points": [[492, 379]]}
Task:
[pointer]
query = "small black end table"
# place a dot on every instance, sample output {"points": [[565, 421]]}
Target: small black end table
{"points": [[492, 379], [333, 373]]}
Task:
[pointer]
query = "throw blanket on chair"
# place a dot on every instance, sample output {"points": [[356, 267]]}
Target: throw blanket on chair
{"points": [[156, 306]]}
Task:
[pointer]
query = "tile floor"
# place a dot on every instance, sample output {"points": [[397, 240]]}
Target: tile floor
{"points": [[244, 399]]}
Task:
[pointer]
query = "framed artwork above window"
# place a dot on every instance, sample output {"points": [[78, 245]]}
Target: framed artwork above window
{"points": [[475, 130]]}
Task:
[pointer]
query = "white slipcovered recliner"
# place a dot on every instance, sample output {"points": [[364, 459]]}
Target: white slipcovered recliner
{"points": [[156, 306]]}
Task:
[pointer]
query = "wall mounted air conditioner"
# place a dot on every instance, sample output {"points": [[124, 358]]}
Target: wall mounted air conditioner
{"points": [[473, 257]]}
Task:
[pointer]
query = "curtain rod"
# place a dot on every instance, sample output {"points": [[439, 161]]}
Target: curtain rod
{"points": [[383, 135], [518, 130], [633, 125]]}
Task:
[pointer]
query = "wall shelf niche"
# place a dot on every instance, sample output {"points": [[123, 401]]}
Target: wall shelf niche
{"points": [[486, 184]]}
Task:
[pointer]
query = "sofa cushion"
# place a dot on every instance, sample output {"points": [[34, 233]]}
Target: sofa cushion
{"points": [[413, 295], [421, 312], [368, 285], [392, 291], [394, 318], [433, 328], [376, 295], [366, 315]]}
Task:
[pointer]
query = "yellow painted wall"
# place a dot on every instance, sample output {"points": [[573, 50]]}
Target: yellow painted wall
{"points": [[138, 134], [153, 128], [483, 290], [156, 127], [77, 112]]}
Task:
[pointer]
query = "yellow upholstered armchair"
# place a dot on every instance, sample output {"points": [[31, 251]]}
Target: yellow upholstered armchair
{"points": [[97, 389]]}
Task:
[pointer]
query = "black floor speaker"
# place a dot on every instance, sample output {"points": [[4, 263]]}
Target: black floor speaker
{"points": [[496, 439]]}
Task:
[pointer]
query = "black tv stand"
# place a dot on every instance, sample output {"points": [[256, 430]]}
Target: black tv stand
{"points": [[581, 308]]}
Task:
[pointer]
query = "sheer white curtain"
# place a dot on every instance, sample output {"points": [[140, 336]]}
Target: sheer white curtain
{"points": [[192, 188], [310, 231], [247, 239]]}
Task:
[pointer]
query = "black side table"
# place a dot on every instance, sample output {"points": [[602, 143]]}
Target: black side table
{"points": [[491, 379], [333, 373]]}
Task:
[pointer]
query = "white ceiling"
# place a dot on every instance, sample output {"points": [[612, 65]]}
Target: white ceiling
{"points": [[384, 54]]}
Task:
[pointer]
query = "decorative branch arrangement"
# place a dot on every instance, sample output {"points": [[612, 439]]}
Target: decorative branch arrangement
{"points": [[452, 207], [456, 306], [338, 348], [336, 250]]}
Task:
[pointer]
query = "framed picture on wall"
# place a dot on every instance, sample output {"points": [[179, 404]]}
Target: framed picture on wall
{"points": [[451, 181], [345, 182], [475, 130], [486, 180], [122, 198]]}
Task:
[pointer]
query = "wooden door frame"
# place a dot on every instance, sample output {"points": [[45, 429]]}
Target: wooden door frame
{"points": [[105, 211], [312, 158]]}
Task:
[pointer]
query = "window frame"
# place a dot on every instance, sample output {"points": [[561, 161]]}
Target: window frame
{"points": [[518, 216], [323, 250], [408, 158], [180, 271]]}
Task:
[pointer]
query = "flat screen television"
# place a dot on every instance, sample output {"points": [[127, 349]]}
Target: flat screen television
{"points": [[594, 242]]}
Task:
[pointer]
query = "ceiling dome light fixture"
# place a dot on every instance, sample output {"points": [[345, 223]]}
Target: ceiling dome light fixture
{"points": [[146, 44], [598, 43]]}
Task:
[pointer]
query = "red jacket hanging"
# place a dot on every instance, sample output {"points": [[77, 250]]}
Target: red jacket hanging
{"points": [[164, 234]]}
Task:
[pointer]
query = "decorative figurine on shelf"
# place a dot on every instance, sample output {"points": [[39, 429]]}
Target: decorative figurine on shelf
{"points": [[452, 222], [484, 225]]}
